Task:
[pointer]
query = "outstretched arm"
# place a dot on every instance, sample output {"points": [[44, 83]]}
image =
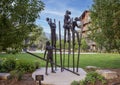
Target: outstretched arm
{"points": [[55, 48]]}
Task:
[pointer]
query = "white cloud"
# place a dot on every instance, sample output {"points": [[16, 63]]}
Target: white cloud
{"points": [[57, 13]]}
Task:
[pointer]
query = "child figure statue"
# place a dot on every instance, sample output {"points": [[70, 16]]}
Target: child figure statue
{"points": [[49, 50], [67, 25]]}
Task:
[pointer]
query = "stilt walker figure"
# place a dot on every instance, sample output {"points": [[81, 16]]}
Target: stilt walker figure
{"points": [[74, 24], [53, 36], [67, 26], [53, 30]]}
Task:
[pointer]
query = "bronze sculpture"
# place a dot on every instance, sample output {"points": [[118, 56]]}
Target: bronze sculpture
{"points": [[53, 30], [74, 24], [49, 50], [67, 25]]}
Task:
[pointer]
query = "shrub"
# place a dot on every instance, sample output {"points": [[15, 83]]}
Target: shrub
{"points": [[91, 78], [16, 75], [1, 65], [75, 83], [8, 64], [37, 65], [25, 66]]}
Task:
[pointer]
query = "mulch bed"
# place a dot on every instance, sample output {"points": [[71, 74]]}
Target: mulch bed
{"points": [[26, 80]]}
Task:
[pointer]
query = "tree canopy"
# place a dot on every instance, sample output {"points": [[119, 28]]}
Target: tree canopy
{"points": [[17, 21], [105, 26]]}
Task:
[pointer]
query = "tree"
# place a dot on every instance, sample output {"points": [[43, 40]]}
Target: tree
{"points": [[105, 16], [17, 20], [84, 45], [36, 38]]}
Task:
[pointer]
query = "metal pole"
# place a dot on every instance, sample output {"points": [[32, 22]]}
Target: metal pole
{"points": [[55, 48], [79, 48], [64, 47], [69, 47], [73, 37], [60, 46], [40, 83]]}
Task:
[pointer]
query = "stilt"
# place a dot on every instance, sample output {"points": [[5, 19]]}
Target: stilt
{"points": [[73, 37], [60, 46], [64, 47], [79, 50], [55, 48], [69, 47]]}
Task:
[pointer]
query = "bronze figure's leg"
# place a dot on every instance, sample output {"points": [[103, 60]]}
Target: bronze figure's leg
{"points": [[51, 62], [79, 50], [47, 65], [69, 47]]}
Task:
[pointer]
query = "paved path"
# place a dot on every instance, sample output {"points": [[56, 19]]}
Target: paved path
{"points": [[39, 51], [59, 78]]}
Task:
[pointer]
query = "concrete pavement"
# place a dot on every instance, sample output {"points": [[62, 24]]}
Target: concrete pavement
{"points": [[59, 78]]}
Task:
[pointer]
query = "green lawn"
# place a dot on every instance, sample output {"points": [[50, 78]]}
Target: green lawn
{"points": [[103, 60]]}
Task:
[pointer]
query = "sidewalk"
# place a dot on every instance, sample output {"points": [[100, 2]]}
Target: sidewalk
{"points": [[39, 51], [59, 78]]}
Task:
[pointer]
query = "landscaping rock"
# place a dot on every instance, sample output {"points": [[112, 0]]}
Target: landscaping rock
{"points": [[91, 67], [107, 74], [4, 76]]}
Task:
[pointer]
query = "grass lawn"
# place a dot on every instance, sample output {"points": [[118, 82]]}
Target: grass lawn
{"points": [[103, 60]]}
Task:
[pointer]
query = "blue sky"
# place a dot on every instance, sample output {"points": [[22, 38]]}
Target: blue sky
{"points": [[55, 9]]}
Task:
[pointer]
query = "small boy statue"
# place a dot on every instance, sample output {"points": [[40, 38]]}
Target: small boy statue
{"points": [[49, 50]]}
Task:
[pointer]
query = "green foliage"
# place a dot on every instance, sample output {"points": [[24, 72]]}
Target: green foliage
{"points": [[105, 24], [75, 83], [37, 65], [83, 82], [9, 64], [84, 45], [16, 75], [0, 63], [91, 78], [17, 21], [25, 66]]}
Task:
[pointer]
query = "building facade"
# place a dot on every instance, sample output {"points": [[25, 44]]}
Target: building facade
{"points": [[85, 23]]}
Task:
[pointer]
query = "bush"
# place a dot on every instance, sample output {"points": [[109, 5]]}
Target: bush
{"points": [[25, 66], [75, 83], [91, 78], [16, 75], [1, 65], [8, 64], [37, 65]]}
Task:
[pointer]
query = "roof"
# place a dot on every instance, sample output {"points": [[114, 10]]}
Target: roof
{"points": [[83, 14]]}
